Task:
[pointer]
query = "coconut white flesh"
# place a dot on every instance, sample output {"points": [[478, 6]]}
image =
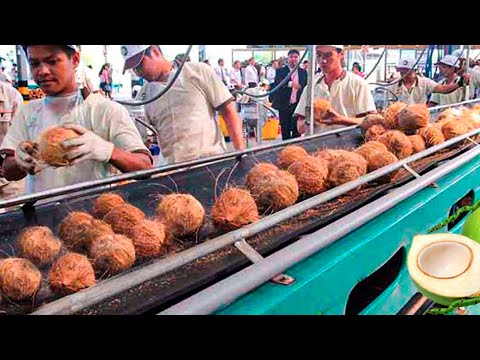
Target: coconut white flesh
{"points": [[453, 262]]}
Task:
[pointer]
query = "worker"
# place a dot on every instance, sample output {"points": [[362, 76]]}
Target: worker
{"points": [[348, 94], [184, 116], [472, 74], [447, 66], [107, 135], [416, 89]]}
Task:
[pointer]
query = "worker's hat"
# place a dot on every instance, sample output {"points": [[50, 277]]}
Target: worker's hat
{"points": [[133, 55]]}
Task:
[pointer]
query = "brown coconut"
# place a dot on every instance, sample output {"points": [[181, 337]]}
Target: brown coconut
{"points": [[123, 218], [370, 120], [418, 143], [106, 202], [311, 174], [50, 145], [413, 117], [272, 190], [450, 114], [346, 168], [330, 154], [432, 135], [78, 230], [379, 160], [149, 239], [289, 155], [453, 129], [234, 209], [39, 245], [321, 108], [397, 143], [70, 274], [112, 253], [181, 214], [19, 279], [374, 132], [258, 170], [369, 146], [391, 114]]}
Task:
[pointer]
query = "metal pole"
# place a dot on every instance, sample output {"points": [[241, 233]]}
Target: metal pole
{"points": [[386, 65], [309, 109], [227, 291], [22, 68], [105, 53], [466, 89]]}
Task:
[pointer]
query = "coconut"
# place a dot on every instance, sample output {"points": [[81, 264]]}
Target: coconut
{"points": [[413, 117], [311, 174], [432, 136], [50, 145], [181, 214], [112, 253], [321, 108], [453, 129], [289, 155], [346, 168], [418, 143], [374, 132], [38, 245], [148, 238], [19, 279], [397, 143], [445, 267], [272, 190], [234, 209], [370, 120], [329, 154], [472, 116], [106, 202], [71, 273], [123, 218], [391, 114], [370, 147], [78, 229], [379, 160], [450, 113]]}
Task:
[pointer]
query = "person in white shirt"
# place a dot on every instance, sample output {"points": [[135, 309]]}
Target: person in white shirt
{"points": [[416, 89], [184, 116], [447, 67], [251, 74], [222, 73], [4, 77], [236, 75], [348, 94], [271, 72], [107, 135]]}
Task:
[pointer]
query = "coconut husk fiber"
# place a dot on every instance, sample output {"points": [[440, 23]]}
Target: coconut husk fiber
{"points": [[70, 274], [19, 279], [39, 245], [50, 146], [311, 174], [106, 202]]}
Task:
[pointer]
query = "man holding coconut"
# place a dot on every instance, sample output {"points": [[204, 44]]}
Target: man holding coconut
{"points": [[104, 134]]}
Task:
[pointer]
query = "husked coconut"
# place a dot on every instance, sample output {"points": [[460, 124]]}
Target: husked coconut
{"points": [[123, 218], [370, 120], [413, 117], [112, 253], [397, 143], [289, 155], [311, 174], [379, 160], [70, 274], [346, 168], [149, 239], [181, 214], [432, 136], [370, 145], [19, 279], [234, 209], [50, 146], [259, 170], [321, 108], [418, 143], [39, 245], [374, 132], [106, 202], [454, 128], [391, 114], [330, 154]]}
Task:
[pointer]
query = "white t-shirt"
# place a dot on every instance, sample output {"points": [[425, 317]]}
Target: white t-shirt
{"points": [[251, 75], [104, 117], [452, 98], [417, 94], [349, 96], [184, 116], [5, 78], [236, 77], [474, 78], [10, 101], [271, 72]]}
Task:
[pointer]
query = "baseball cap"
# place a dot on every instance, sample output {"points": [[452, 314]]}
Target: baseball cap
{"points": [[462, 54], [449, 60], [339, 47], [406, 64], [132, 55]]}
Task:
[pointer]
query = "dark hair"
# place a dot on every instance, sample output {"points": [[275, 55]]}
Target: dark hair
{"points": [[293, 51], [356, 64], [66, 49], [220, 60], [305, 62]]}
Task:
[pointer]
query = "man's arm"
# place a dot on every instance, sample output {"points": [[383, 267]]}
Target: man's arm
{"points": [[234, 125], [126, 161], [11, 171]]}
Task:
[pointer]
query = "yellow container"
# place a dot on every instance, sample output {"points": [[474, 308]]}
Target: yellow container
{"points": [[270, 129], [223, 126]]}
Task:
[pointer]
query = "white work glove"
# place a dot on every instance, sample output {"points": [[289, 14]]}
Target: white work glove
{"points": [[88, 146], [25, 157]]}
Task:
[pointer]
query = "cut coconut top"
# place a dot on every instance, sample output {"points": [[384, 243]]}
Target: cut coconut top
{"points": [[447, 265]]}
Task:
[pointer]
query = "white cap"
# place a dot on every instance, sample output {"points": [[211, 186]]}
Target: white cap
{"points": [[450, 60], [462, 54], [406, 64], [133, 55], [339, 47]]}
